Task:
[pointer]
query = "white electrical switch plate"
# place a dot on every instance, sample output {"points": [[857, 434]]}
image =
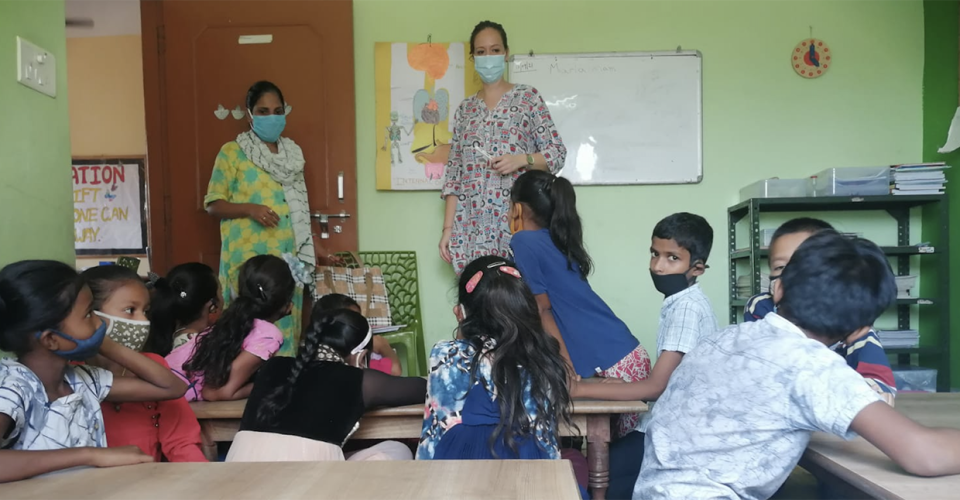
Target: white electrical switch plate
{"points": [[36, 68]]}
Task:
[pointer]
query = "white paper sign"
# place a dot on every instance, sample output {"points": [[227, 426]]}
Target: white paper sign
{"points": [[953, 135], [107, 207]]}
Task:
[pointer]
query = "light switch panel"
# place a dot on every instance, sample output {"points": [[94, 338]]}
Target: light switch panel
{"points": [[36, 68]]}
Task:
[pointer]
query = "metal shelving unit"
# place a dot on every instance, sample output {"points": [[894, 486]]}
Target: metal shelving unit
{"points": [[934, 351]]}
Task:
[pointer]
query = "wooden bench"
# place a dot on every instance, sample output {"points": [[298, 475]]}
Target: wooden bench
{"points": [[220, 421]]}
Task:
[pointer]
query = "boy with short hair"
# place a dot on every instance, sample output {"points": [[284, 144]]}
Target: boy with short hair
{"points": [[679, 248], [864, 352], [740, 410], [785, 241]]}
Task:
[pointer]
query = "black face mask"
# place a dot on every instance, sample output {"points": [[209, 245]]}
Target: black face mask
{"points": [[670, 284]]}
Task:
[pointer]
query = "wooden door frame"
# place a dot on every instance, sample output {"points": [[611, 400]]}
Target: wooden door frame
{"points": [[154, 100]]}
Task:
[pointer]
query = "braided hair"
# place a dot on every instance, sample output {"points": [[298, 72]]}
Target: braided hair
{"points": [[341, 330], [265, 289]]}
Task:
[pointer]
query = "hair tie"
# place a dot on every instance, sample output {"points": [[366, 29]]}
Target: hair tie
{"points": [[183, 294], [263, 295]]}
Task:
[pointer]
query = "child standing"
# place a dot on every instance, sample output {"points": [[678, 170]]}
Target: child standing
{"points": [[305, 409], [50, 416], [548, 247], [382, 357], [739, 411], [864, 352], [162, 429], [499, 390], [182, 307], [219, 364]]}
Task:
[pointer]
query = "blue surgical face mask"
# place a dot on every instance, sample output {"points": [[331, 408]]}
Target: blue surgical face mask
{"points": [[490, 68], [269, 127], [86, 348]]}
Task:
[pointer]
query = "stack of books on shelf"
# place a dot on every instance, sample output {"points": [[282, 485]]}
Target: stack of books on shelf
{"points": [[745, 285], [904, 285], [919, 178], [899, 339]]}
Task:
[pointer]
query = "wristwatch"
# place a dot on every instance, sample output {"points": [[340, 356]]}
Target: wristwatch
{"points": [[529, 160]]}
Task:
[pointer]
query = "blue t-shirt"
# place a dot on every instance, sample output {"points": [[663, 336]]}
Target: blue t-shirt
{"points": [[595, 336]]}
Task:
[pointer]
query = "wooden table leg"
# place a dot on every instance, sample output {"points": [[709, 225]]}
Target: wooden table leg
{"points": [[598, 454], [207, 445]]}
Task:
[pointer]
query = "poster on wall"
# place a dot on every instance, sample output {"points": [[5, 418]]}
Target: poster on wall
{"points": [[109, 216], [418, 89]]}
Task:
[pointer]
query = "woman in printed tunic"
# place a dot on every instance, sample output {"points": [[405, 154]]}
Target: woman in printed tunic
{"points": [[500, 132]]}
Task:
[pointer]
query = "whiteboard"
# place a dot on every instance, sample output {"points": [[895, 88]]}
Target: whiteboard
{"points": [[625, 117]]}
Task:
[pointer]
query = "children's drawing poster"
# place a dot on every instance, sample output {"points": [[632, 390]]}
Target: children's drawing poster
{"points": [[108, 207], [418, 89]]}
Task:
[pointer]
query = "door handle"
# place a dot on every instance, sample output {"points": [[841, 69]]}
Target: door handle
{"points": [[324, 220]]}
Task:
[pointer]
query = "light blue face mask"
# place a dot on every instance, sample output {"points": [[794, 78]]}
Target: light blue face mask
{"points": [[86, 348], [269, 127], [490, 68]]}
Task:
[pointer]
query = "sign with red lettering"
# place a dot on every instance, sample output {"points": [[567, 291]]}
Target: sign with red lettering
{"points": [[108, 207]]}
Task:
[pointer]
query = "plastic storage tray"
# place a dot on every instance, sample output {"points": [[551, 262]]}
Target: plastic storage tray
{"points": [[853, 181], [775, 188], [915, 378]]}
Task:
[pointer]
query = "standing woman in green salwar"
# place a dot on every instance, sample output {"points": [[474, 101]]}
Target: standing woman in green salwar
{"points": [[258, 193]]}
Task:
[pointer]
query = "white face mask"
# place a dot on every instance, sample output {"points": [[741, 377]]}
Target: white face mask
{"points": [[127, 332], [463, 312]]}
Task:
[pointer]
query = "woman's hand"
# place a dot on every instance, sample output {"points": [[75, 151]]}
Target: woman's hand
{"points": [[445, 245], [263, 215], [508, 164], [122, 455]]}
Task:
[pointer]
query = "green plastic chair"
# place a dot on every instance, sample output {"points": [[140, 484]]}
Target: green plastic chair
{"points": [[400, 276]]}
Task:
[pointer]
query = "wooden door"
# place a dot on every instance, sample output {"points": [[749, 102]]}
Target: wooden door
{"points": [[194, 61]]}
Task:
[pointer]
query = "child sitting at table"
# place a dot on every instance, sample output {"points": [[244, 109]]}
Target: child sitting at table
{"points": [[864, 351], [305, 409], [499, 390], [183, 305], [679, 248], [50, 417], [382, 357], [163, 429], [220, 363], [739, 411]]}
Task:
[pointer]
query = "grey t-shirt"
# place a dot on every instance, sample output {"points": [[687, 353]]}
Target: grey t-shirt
{"points": [[738, 412]]}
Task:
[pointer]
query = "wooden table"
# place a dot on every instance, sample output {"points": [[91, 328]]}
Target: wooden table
{"points": [[219, 422], [859, 468], [464, 480]]}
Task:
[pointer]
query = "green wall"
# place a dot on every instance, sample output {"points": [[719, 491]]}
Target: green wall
{"points": [[760, 119], [36, 197], [940, 81]]}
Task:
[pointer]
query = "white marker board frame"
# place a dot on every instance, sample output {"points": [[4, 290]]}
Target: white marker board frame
{"points": [[626, 118]]}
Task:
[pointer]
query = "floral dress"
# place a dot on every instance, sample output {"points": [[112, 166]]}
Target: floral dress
{"points": [[519, 124], [451, 405], [236, 179]]}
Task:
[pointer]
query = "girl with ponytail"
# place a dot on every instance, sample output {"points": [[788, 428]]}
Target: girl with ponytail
{"points": [[548, 246], [306, 408], [182, 306], [218, 364]]}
